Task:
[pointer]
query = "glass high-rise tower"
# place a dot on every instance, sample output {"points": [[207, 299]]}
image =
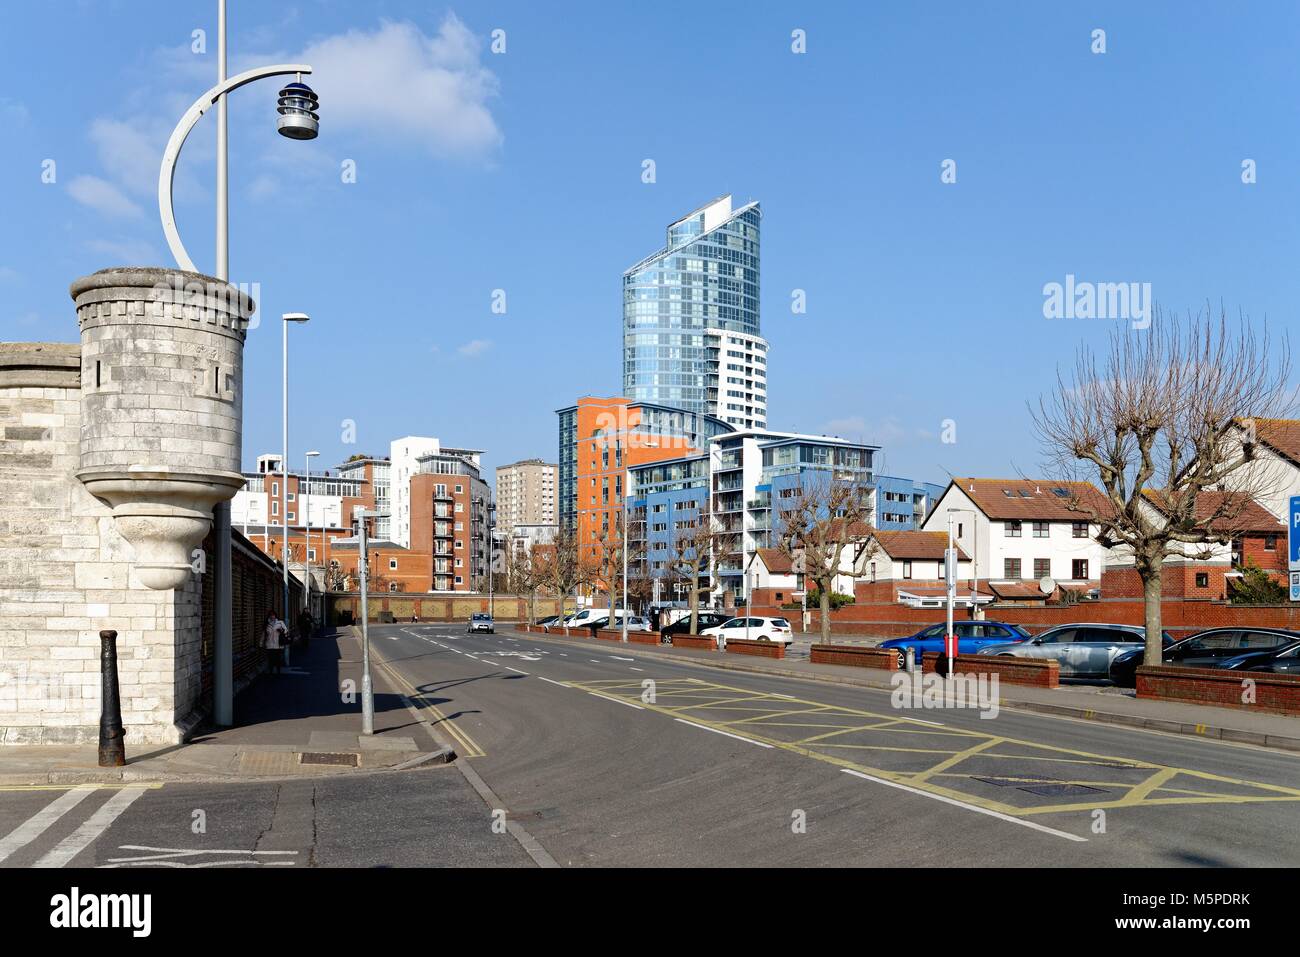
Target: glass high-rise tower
{"points": [[691, 322]]}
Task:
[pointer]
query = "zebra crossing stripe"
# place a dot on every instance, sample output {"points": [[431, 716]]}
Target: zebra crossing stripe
{"points": [[41, 821]]}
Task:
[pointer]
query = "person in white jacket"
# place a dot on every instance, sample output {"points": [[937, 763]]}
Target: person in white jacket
{"points": [[273, 641]]}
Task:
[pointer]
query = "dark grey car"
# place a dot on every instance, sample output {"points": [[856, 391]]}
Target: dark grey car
{"points": [[1085, 650]]}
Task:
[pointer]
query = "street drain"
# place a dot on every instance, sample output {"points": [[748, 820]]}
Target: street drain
{"points": [[344, 759], [1043, 787]]}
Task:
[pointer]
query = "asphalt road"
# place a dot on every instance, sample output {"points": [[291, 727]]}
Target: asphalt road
{"points": [[429, 817], [602, 776]]}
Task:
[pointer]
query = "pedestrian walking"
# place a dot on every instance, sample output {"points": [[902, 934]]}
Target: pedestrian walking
{"points": [[273, 642], [305, 627]]}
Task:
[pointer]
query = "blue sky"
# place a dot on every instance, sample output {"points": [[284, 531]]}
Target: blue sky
{"points": [[521, 171]]}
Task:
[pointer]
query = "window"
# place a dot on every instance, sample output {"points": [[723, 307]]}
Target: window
{"points": [[1202, 580], [311, 554], [460, 543], [1270, 542], [907, 569], [460, 489], [275, 489], [1079, 530], [1012, 529], [1079, 568], [290, 517], [1041, 530], [275, 506], [460, 506], [1042, 568], [392, 564], [1011, 568], [289, 496]]}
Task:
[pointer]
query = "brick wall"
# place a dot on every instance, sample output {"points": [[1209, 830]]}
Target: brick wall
{"points": [[1279, 694], [435, 607]]}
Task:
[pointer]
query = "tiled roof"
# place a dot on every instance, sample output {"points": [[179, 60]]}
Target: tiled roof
{"points": [[777, 561], [1040, 500], [1017, 590], [1239, 512], [1280, 434], [920, 546]]}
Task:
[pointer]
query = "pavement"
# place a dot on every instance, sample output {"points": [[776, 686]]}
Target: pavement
{"points": [[252, 796]]}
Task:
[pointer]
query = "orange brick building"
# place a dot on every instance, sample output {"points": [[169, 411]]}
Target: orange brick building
{"points": [[599, 440]]}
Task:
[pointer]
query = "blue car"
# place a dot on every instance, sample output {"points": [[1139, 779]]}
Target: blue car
{"points": [[971, 637]]}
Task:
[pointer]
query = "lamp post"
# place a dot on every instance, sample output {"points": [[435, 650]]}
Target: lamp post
{"points": [[288, 317], [363, 570], [306, 512], [298, 120], [975, 557]]}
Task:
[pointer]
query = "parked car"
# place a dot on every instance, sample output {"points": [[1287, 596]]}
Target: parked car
{"points": [[1084, 650], [707, 619], [971, 637], [548, 620], [480, 621], [1208, 649], [584, 618], [754, 629], [1279, 661], [634, 623]]}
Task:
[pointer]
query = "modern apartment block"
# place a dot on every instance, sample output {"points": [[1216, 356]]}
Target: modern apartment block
{"points": [[433, 497], [691, 336], [526, 494], [902, 504], [599, 440]]}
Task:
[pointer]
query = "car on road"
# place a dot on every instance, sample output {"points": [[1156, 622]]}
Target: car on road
{"points": [[480, 621], [1084, 650], [707, 619], [1216, 648], [753, 629], [971, 637]]}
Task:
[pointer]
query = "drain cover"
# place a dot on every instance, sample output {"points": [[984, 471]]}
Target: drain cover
{"points": [[345, 759], [1062, 790]]}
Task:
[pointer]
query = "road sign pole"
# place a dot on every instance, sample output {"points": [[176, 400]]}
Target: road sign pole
{"points": [[1293, 546]]}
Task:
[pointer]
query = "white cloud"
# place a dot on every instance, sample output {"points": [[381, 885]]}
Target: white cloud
{"points": [[475, 348], [396, 82], [102, 196], [124, 252], [129, 154]]}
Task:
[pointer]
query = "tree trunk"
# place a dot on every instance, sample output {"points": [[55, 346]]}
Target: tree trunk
{"points": [[826, 612], [695, 603], [532, 607], [1151, 578]]}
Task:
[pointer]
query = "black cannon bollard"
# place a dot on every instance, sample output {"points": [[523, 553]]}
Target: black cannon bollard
{"points": [[112, 736]]}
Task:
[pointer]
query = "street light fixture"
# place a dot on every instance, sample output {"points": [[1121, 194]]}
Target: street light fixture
{"points": [[304, 124], [306, 512], [287, 318]]}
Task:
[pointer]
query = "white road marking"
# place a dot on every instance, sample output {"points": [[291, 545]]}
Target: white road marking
{"points": [[636, 669], [937, 724], [170, 857], [616, 700], [40, 822], [728, 734], [789, 697], [515, 670], [95, 825], [969, 807], [620, 658], [548, 680]]}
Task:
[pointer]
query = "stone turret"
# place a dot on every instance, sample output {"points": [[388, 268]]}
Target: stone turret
{"points": [[161, 407]]}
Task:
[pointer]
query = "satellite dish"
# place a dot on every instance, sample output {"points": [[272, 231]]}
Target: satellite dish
{"points": [[1046, 585]]}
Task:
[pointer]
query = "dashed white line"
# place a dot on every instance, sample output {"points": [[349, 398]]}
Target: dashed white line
{"points": [[620, 658], [969, 807], [515, 670], [627, 704], [636, 669], [549, 681], [728, 734]]}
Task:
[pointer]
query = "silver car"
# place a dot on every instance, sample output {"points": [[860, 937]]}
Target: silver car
{"points": [[1085, 650]]}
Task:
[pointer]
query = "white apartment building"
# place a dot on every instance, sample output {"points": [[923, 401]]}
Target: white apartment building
{"points": [[258, 503], [1023, 530], [526, 494], [736, 381], [404, 455]]}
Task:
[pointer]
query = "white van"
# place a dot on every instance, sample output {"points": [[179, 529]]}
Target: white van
{"points": [[589, 615]]}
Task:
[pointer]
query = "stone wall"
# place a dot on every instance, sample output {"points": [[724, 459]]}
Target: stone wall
{"points": [[65, 573]]}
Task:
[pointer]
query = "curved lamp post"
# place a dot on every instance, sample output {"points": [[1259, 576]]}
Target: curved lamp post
{"points": [[298, 120]]}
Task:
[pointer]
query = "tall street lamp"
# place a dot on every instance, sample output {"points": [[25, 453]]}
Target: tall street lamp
{"points": [[306, 511], [299, 119], [286, 319]]}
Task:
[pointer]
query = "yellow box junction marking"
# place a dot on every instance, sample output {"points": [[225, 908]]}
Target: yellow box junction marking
{"points": [[965, 758]]}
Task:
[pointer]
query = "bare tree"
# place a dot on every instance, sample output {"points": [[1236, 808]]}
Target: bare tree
{"points": [[528, 573], [1164, 417], [693, 546], [826, 518], [565, 568]]}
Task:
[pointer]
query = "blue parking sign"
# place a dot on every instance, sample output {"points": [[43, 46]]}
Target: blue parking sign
{"points": [[1293, 533]]}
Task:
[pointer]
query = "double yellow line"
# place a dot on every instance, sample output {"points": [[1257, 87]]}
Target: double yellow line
{"points": [[467, 747]]}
